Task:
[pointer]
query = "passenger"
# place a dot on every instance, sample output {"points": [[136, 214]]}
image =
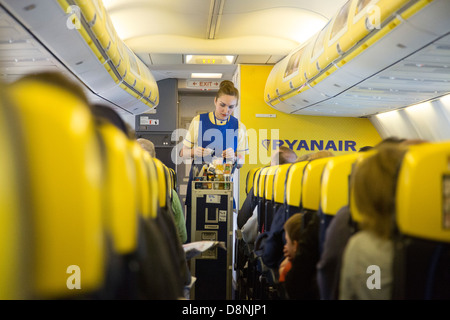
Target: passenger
{"points": [[247, 219], [365, 148], [103, 112], [315, 155], [179, 216], [337, 234], [282, 156], [215, 134], [177, 209], [274, 241], [148, 146], [374, 183], [130, 131], [329, 265], [301, 281], [292, 230]]}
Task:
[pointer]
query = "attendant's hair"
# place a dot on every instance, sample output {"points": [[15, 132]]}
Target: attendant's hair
{"points": [[227, 88]]}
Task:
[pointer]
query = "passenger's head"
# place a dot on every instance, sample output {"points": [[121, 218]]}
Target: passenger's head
{"points": [[365, 148], [315, 155], [411, 142], [374, 183], [148, 146], [282, 156], [226, 100], [390, 140], [292, 228], [104, 113]]}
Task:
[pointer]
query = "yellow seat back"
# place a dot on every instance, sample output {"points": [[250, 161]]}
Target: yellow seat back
{"points": [[250, 179], [153, 185], [119, 192], [312, 182], [423, 192], [334, 193], [169, 182], [294, 184], [14, 224], [279, 187], [262, 181], [64, 168], [173, 178], [268, 188], [256, 182], [163, 183], [142, 179]]}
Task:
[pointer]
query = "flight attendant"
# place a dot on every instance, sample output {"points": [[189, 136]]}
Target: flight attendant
{"points": [[216, 134]]}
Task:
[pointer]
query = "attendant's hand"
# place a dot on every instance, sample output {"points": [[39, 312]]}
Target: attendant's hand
{"points": [[202, 152], [229, 154]]}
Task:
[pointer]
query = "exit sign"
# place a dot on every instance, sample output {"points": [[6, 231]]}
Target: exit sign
{"points": [[204, 85]]}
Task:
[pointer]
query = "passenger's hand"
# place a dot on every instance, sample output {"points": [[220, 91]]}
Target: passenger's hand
{"points": [[283, 265], [284, 262]]}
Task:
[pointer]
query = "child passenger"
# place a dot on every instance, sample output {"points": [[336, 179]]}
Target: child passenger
{"points": [[292, 228]]}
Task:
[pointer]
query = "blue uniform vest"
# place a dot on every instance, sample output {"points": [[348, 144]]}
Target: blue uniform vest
{"points": [[216, 137]]}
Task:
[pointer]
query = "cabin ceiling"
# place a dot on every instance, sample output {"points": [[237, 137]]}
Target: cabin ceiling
{"points": [[163, 32]]}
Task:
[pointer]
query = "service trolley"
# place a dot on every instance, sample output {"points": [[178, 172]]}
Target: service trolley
{"points": [[212, 220]]}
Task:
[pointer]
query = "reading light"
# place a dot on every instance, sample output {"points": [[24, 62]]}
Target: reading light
{"points": [[206, 75]]}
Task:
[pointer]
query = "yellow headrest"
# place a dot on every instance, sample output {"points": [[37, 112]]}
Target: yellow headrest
{"points": [[250, 179], [294, 184], [162, 182], [64, 168], [334, 192], [355, 214], [256, 182], [311, 183], [173, 178], [142, 179], [120, 199], [268, 189], [262, 181], [153, 184], [13, 223], [279, 189], [169, 180], [423, 192]]}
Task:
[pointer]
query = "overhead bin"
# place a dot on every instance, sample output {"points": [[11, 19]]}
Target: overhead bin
{"points": [[373, 52], [81, 35]]}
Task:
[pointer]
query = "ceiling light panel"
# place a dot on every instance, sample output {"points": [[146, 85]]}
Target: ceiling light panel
{"points": [[209, 59], [206, 75]]}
